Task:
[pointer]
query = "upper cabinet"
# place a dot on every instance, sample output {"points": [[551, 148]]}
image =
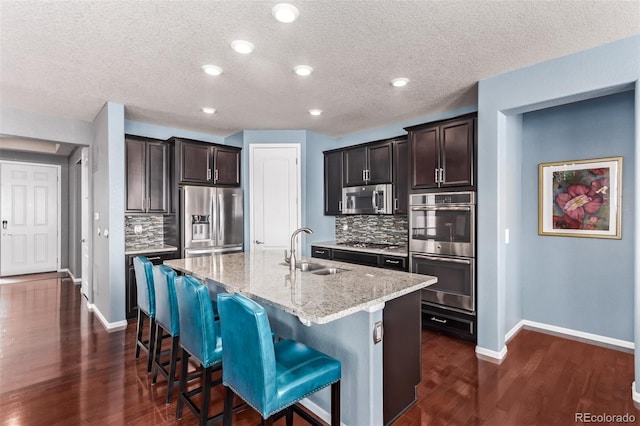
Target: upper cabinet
{"points": [[400, 176], [207, 164], [147, 175], [368, 164], [333, 183], [442, 154]]}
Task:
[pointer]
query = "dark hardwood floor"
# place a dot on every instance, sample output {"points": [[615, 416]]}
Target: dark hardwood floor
{"points": [[59, 366]]}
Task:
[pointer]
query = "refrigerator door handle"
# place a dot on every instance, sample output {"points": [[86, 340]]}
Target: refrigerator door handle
{"points": [[220, 221]]}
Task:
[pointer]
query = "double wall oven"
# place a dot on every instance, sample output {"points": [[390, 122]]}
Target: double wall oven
{"points": [[442, 243]]}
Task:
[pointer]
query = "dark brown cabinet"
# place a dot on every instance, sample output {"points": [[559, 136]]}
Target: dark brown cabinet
{"points": [[400, 176], [368, 164], [207, 164], [333, 183], [442, 154], [131, 289], [147, 175]]}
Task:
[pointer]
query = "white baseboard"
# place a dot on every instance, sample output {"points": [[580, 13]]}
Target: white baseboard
{"points": [[109, 326], [582, 336], [515, 330], [73, 278], [491, 355], [636, 395]]}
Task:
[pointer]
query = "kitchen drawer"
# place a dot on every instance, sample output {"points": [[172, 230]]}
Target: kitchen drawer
{"points": [[321, 252], [394, 262], [455, 323], [367, 259]]}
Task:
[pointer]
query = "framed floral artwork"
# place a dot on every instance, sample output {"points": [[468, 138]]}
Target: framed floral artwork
{"points": [[580, 198]]}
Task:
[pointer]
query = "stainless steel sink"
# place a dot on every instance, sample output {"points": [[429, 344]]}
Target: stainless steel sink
{"points": [[308, 266], [329, 271]]}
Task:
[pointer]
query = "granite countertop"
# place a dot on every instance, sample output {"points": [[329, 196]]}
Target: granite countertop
{"points": [[312, 298], [149, 249], [400, 251]]}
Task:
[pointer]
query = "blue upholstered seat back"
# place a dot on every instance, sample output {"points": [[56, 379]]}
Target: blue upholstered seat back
{"points": [[144, 285], [198, 333], [248, 359], [166, 300]]}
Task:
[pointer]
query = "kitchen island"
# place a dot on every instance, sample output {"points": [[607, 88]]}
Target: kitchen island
{"points": [[337, 313]]}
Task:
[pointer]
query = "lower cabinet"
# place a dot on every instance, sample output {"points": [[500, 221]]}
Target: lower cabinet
{"points": [[131, 293], [377, 260], [457, 324]]}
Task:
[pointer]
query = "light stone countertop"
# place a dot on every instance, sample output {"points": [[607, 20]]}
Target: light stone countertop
{"points": [[312, 298]]}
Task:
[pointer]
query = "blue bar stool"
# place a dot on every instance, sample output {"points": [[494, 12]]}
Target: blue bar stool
{"points": [[200, 339], [167, 325], [146, 306], [270, 377]]}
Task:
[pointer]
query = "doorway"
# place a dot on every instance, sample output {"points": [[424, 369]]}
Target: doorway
{"points": [[274, 195], [30, 218]]}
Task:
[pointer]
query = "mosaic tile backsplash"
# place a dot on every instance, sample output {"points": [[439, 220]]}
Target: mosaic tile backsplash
{"points": [[152, 231], [372, 229]]}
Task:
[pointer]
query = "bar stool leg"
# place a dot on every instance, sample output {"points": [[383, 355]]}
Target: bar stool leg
{"points": [[335, 404]]}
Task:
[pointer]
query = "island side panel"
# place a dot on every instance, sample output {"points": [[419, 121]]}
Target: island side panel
{"points": [[349, 339]]}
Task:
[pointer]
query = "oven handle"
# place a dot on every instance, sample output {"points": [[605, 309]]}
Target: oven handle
{"points": [[455, 208], [443, 259]]}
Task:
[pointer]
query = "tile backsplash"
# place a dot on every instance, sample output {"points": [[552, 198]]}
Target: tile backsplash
{"points": [[151, 231], [372, 228]]}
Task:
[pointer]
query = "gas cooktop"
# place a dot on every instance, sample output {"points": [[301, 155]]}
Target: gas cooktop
{"points": [[362, 244]]}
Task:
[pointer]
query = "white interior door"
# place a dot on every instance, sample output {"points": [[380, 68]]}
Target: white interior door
{"points": [[29, 197], [275, 190], [84, 233]]}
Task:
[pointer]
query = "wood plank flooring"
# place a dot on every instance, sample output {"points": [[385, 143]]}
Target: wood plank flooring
{"points": [[59, 366]]}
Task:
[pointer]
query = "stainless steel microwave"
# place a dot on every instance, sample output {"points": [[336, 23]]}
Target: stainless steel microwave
{"points": [[368, 199]]}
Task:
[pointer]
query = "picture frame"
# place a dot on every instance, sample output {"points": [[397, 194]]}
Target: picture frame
{"points": [[580, 198]]}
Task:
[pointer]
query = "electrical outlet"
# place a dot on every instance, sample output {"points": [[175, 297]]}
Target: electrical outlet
{"points": [[377, 332], [137, 229], [345, 227]]}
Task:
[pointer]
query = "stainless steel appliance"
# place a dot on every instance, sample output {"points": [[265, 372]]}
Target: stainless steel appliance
{"points": [[211, 220], [368, 199], [442, 244]]}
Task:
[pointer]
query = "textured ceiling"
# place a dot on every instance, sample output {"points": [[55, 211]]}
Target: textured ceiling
{"points": [[66, 58]]}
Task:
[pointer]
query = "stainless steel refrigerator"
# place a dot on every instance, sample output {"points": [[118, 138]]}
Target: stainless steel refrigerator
{"points": [[211, 220]]}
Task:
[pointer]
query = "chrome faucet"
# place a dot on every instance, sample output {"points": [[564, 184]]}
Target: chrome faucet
{"points": [[291, 257]]}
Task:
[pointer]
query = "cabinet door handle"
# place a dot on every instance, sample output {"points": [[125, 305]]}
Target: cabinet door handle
{"points": [[215, 175], [208, 174], [339, 206], [395, 204], [441, 175], [368, 175], [364, 175], [393, 262], [436, 175], [320, 251], [441, 321], [154, 258]]}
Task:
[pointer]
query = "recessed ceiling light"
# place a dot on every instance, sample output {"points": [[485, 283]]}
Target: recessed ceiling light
{"points": [[303, 70], [242, 46], [315, 111], [399, 82], [212, 69], [285, 12], [208, 110]]}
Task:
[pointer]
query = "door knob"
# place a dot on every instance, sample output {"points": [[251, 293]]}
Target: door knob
{"points": [[4, 224], [259, 242]]}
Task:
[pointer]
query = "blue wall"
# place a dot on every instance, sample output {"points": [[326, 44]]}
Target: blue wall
{"points": [[604, 70], [583, 284]]}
